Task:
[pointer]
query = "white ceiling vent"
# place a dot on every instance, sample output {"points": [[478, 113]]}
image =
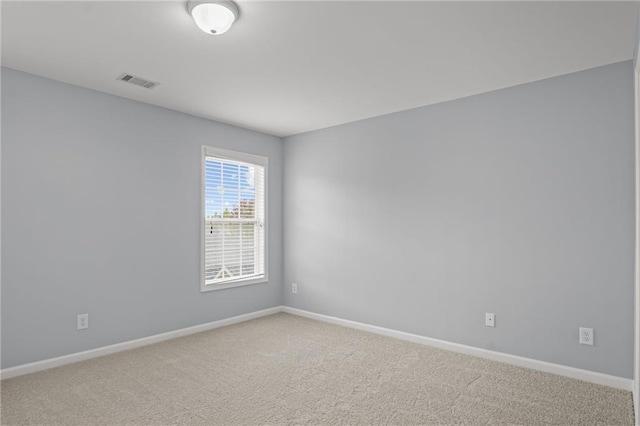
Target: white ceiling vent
{"points": [[128, 78]]}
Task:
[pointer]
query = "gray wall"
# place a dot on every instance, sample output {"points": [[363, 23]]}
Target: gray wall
{"points": [[636, 376], [100, 215], [518, 202]]}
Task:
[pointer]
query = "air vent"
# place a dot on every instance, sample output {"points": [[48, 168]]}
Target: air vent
{"points": [[128, 78]]}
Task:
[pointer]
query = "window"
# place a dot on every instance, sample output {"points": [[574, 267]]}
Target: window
{"points": [[233, 219]]}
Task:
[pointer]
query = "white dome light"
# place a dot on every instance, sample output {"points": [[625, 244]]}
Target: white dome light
{"points": [[213, 16]]}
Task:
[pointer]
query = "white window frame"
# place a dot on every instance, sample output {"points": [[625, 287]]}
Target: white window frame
{"points": [[225, 154]]}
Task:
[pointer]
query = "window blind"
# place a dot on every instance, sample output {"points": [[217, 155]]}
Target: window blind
{"points": [[234, 234]]}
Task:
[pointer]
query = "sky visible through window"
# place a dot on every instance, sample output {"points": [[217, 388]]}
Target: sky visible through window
{"points": [[226, 184]]}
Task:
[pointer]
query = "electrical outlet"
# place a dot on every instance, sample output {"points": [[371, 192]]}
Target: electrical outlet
{"points": [[586, 336], [294, 288], [83, 321], [489, 320]]}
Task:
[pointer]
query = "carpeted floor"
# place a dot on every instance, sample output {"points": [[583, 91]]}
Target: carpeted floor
{"points": [[286, 369]]}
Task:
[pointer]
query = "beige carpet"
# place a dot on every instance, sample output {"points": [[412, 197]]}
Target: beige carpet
{"points": [[286, 369]]}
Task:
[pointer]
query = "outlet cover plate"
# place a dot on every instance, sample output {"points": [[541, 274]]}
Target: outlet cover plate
{"points": [[586, 336], [489, 320], [83, 321]]}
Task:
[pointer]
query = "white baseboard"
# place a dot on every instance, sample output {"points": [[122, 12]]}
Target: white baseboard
{"points": [[46, 364], [547, 367], [562, 370]]}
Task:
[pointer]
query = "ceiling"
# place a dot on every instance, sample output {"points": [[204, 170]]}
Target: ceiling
{"points": [[296, 66]]}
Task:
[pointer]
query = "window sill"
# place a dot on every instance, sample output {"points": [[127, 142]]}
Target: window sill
{"points": [[240, 283]]}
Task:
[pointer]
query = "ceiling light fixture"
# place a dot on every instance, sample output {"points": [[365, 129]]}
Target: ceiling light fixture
{"points": [[213, 16]]}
